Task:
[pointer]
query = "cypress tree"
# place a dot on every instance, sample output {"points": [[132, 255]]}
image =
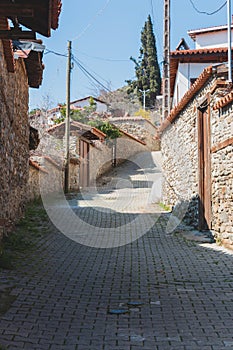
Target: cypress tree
{"points": [[146, 67]]}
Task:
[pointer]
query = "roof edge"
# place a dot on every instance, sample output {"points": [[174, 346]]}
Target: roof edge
{"points": [[201, 80]]}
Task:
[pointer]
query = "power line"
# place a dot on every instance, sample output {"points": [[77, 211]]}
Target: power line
{"points": [[91, 70], [92, 21], [82, 68], [55, 53], [103, 58], [207, 13], [156, 29], [152, 11], [88, 74]]}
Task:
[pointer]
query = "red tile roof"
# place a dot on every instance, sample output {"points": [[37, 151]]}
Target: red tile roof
{"points": [[207, 55], [80, 127], [88, 98], [201, 80], [131, 136], [224, 101], [199, 51]]}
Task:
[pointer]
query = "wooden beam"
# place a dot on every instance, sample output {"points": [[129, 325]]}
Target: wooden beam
{"points": [[16, 11], [16, 34], [222, 145]]}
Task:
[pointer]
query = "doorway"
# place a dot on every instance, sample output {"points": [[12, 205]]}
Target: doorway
{"points": [[84, 171], [204, 167]]}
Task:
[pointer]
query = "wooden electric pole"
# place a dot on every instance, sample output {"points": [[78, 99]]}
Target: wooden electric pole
{"points": [[166, 60], [67, 123]]}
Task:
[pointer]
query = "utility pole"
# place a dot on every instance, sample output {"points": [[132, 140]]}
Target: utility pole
{"points": [[67, 123], [166, 60], [229, 41]]}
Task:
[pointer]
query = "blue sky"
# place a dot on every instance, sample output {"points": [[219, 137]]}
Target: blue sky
{"points": [[104, 34]]}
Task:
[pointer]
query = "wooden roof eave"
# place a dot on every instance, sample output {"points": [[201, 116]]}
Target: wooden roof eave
{"points": [[193, 57], [199, 83], [39, 16]]}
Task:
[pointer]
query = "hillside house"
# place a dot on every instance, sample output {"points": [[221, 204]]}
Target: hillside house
{"points": [[197, 144], [18, 71], [47, 118], [82, 137], [187, 64], [91, 153], [101, 106]]}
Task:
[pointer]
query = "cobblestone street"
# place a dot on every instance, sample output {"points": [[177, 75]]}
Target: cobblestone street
{"points": [[158, 291]]}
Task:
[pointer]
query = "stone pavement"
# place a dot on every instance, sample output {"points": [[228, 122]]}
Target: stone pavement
{"points": [[158, 292]]}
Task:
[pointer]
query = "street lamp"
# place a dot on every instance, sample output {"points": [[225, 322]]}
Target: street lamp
{"points": [[144, 97]]}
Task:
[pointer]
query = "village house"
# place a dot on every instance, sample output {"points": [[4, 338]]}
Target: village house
{"points": [[197, 138], [101, 106], [92, 154], [48, 118], [21, 66], [82, 137]]}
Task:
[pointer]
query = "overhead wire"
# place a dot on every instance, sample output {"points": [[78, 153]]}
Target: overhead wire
{"points": [[55, 53], [83, 69], [102, 58], [88, 68], [156, 29], [205, 12], [92, 21], [88, 74]]}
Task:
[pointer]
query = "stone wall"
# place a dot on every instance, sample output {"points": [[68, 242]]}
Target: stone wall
{"points": [[222, 175], [14, 141], [101, 156], [44, 176], [141, 128], [100, 160], [179, 146]]}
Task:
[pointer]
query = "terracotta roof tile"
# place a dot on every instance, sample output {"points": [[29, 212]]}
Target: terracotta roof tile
{"points": [[224, 101], [201, 80], [131, 137], [207, 55], [83, 128], [199, 51]]}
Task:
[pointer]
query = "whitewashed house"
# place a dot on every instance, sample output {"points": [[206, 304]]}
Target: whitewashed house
{"points": [[187, 64], [101, 106]]}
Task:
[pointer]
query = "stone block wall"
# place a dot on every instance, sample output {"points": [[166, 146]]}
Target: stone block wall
{"points": [[100, 160], [101, 156], [179, 146], [141, 128], [222, 175], [14, 141], [180, 166], [44, 175]]}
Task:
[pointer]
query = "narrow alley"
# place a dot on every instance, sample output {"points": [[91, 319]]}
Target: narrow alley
{"points": [[126, 283]]}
